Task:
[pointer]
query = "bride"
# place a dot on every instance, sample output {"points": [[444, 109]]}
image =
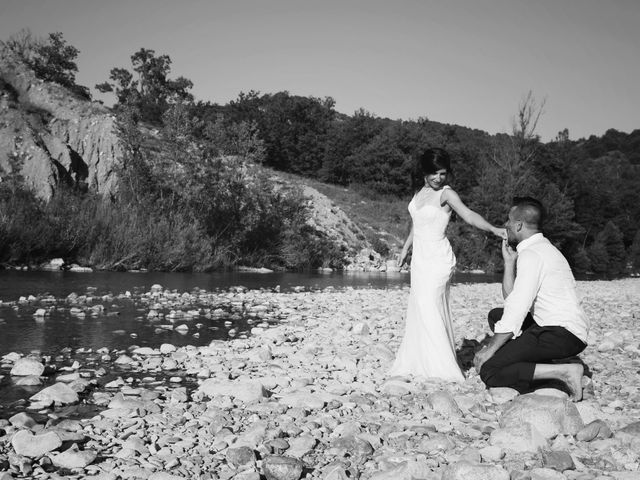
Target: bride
{"points": [[428, 346]]}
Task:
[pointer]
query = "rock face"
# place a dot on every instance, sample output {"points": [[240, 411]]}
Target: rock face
{"points": [[52, 135]]}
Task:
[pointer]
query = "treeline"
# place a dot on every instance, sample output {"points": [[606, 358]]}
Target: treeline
{"points": [[201, 168], [590, 186]]}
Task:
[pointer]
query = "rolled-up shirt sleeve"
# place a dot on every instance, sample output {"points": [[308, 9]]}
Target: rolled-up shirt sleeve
{"points": [[525, 288]]}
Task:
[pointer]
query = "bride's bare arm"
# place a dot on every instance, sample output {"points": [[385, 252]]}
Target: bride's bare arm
{"points": [[474, 219]]}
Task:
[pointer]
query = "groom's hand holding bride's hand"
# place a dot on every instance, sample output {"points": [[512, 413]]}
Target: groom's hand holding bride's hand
{"points": [[509, 254]]}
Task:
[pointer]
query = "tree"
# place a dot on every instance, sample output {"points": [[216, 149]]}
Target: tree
{"points": [[611, 238], [294, 128], [148, 89], [345, 137], [511, 170], [52, 60], [598, 257]]}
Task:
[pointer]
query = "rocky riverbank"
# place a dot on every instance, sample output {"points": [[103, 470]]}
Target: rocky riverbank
{"points": [[307, 397]]}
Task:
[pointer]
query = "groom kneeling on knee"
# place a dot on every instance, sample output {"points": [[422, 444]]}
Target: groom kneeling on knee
{"points": [[542, 321]]}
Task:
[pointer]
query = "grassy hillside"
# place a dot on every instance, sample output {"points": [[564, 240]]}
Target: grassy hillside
{"points": [[383, 219]]}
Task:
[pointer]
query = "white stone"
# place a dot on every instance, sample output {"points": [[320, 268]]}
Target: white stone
{"points": [[29, 445], [58, 393], [27, 366]]}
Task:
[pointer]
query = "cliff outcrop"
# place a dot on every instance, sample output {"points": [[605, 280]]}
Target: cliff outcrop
{"points": [[52, 136]]}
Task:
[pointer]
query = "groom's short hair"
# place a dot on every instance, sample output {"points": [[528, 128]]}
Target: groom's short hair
{"points": [[530, 211]]}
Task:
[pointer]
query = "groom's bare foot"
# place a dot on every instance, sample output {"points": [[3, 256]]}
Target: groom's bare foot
{"points": [[573, 379]]}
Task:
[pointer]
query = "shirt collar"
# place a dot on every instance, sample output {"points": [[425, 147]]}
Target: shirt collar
{"points": [[529, 241]]}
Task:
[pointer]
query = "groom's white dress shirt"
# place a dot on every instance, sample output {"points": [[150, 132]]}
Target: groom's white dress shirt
{"points": [[545, 286]]}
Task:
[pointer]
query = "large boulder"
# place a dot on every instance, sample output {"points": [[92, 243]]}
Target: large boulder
{"points": [[549, 415]]}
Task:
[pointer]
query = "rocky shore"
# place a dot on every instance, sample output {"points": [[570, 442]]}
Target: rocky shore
{"points": [[305, 395]]}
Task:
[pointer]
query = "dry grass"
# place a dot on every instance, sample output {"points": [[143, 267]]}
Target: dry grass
{"points": [[383, 218]]}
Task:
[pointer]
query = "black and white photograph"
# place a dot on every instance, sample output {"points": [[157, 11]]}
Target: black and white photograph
{"points": [[320, 240]]}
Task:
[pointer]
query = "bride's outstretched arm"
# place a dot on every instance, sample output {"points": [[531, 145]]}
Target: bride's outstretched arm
{"points": [[474, 219]]}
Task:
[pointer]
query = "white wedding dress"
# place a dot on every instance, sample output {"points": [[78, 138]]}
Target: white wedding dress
{"points": [[428, 346]]}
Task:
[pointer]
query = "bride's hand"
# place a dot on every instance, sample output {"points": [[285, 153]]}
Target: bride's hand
{"points": [[500, 232]]}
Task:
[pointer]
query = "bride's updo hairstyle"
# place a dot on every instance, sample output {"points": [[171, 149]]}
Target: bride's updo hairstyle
{"points": [[429, 162]]}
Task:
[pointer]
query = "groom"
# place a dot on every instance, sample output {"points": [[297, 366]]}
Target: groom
{"points": [[541, 322]]}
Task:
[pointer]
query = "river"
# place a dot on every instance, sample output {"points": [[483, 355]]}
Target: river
{"points": [[124, 324]]}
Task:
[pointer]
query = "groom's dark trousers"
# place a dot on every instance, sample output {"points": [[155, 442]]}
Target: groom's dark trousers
{"points": [[514, 363]]}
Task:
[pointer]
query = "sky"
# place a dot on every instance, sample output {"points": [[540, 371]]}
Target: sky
{"points": [[464, 62]]}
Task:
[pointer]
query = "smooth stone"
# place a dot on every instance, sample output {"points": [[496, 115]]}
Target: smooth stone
{"points": [[396, 388], [300, 446], [558, 460], [123, 360], [240, 456], [58, 393], [28, 381], [34, 446], [518, 438], [119, 401], [278, 445], [167, 348], [444, 404], [73, 457], [492, 453], [247, 391], [247, 475], [27, 367], [68, 377], [546, 474], [550, 415], [278, 467], [312, 401], [352, 446], [145, 351], [593, 430], [22, 420], [469, 471], [136, 444]]}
